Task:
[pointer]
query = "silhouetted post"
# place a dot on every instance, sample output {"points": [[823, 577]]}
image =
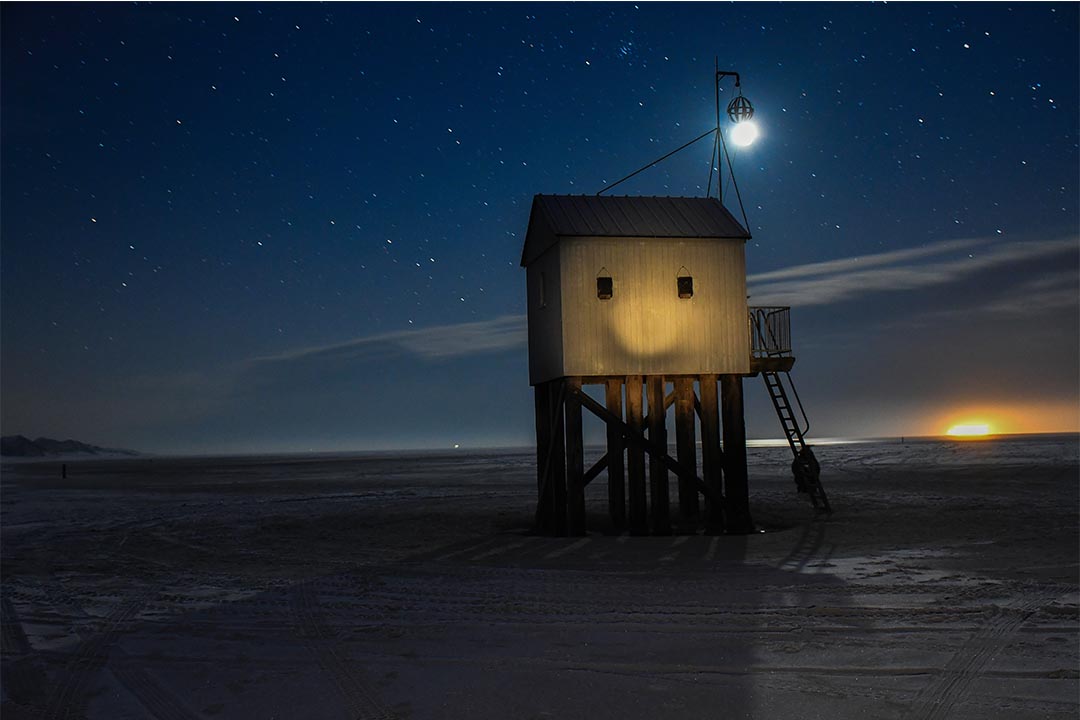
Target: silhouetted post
{"points": [[558, 459], [545, 505], [575, 459], [615, 472], [684, 442], [63, 471], [658, 473], [711, 456], [736, 483], [635, 460]]}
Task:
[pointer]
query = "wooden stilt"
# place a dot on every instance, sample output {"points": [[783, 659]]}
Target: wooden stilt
{"points": [[736, 483], [575, 460], [558, 459], [658, 474], [562, 478], [711, 456], [544, 487], [684, 441], [616, 474], [635, 460]]}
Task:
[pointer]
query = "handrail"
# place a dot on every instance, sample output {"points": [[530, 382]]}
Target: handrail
{"points": [[770, 331], [780, 346], [798, 400], [770, 336]]}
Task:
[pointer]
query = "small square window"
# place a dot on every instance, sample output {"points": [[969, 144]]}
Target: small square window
{"points": [[686, 287], [604, 288]]}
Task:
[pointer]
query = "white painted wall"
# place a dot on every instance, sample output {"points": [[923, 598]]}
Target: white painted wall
{"points": [[645, 328]]}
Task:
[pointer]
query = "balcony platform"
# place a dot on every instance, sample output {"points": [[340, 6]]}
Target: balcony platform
{"points": [[770, 364]]}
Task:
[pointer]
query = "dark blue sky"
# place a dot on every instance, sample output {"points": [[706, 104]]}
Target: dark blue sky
{"points": [[259, 227]]}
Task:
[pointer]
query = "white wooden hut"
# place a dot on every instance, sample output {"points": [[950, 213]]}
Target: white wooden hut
{"points": [[635, 286]]}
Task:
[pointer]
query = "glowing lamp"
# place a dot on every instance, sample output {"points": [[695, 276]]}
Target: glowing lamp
{"points": [[744, 134]]}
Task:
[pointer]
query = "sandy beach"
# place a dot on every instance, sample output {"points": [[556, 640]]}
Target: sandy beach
{"points": [[409, 586]]}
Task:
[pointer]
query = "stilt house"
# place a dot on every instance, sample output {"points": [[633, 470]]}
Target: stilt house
{"points": [[638, 293]]}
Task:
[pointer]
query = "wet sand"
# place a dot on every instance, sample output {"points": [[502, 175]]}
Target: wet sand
{"points": [[409, 586]]}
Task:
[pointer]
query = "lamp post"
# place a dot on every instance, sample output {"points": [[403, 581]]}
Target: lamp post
{"points": [[740, 111]]}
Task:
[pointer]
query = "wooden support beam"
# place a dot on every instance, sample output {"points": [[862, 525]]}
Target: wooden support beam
{"points": [[635, 458], [686, 448], [711, 457], [736, 483], [636, 439], [557, 467], [544, 497], [597, 468], [552, 471], [575, 459], [669, 400], [616, 474], [700, 417], [658, 474]]}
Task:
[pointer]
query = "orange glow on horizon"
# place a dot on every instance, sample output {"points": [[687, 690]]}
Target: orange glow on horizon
{"points": [[981, 420], [969, 430]]}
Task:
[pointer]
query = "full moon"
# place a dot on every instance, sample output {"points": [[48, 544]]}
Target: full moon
{"points": [[744, 134]]}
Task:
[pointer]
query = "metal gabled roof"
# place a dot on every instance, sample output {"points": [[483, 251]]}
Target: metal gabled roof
{"points": [[555, 216]]}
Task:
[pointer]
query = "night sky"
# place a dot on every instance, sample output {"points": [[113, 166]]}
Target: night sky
{"points": [[279, 227]]}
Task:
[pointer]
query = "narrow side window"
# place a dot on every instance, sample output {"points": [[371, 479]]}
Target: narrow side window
{"points": [[686, 287], [604, 287]]}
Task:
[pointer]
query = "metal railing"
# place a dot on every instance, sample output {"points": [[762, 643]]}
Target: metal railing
{"points": [[770, 331]]}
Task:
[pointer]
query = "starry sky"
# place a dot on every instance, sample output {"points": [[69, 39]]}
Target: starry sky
{"points": [[280, 227]]}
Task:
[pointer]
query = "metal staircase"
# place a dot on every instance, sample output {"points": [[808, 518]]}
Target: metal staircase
{"points": [[770, 339]]}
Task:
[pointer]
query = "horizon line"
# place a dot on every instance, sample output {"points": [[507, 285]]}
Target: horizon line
{"points": [[750, 443]]}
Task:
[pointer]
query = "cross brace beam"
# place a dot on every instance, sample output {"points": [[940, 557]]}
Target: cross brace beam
{"points": [[596, 469], [652, 448]]}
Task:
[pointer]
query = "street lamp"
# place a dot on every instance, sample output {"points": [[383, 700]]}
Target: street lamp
{"points": [[739, 111]]}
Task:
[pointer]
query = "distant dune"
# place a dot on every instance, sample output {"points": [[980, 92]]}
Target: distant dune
{"points": [[21, 446]]}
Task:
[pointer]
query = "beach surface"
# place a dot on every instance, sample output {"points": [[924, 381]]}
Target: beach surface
{"points": [[945, 585]]}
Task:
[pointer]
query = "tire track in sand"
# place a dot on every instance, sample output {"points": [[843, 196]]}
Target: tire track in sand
{"points": [[71, 695], [161, 703], [936, 700], [309, 624], [22, 677], [12, 638]]}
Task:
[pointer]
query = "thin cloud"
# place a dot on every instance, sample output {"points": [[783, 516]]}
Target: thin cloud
{"points": [[862, 262], [820, 283], [839, 280], [1055, 291], [444, 341]]}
